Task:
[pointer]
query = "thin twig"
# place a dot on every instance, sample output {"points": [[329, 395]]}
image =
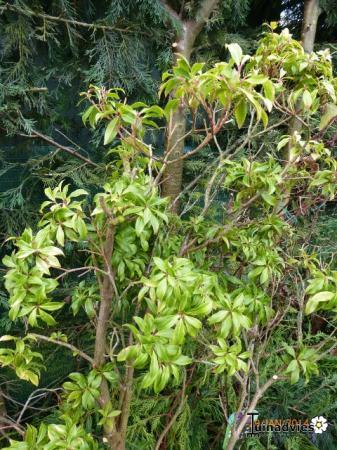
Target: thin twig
{"points": [[173, 418], [31, 397], [64, 344], [71, 151]]}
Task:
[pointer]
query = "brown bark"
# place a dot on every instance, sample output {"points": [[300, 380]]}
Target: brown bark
{"points": [[124, 418], [311, 14], [176, 129], [114, 438], [173, 174]]}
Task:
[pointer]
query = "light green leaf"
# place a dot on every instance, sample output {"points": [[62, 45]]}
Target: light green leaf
{"points": [[236, 53], [111, 131], [269, 90], [307, 99], [240, 112], [314, 301], [329, 114], [60, 235]]}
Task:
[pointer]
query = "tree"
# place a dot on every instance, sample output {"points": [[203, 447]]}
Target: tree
{"points": [[311, 14], [320, 18], [187, 34], [188, 31], [174, 303], [53, 50]]}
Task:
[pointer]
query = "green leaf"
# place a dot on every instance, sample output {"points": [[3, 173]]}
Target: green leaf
{"points": [[183, 360], [89, 308], [60, 235], [217, 317], [139, 226], [329, 114], [154, 223], [111, 131], [269, 90], [236, 53], [314, 301], [179, 333], [32, 318], [7, 337], [192, 325], [81, 228], [161, 289], [295, 375], [160, 264], [47, 318], [307, 99], [78, 193], [88, 112], [264, 277], [148, 380], [171, 106], [197, 67], [9, 262], [240, 112], [270, 199]]}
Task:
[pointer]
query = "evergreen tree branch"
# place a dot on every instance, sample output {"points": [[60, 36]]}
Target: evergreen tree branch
{"points": [[30, 13]]}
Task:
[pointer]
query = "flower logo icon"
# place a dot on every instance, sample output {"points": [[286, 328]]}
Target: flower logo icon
{"points": [[320, 424]]}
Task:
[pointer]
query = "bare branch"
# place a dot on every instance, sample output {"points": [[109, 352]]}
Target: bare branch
{"points": [[71, 151], [173, 418], [64, 344], [259, 393], [33, 396]]}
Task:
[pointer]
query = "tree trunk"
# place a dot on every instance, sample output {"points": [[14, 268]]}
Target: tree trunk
{"points": [[311, 14], [310, 18], [111, 434], [176, 129], [175, 142]]}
